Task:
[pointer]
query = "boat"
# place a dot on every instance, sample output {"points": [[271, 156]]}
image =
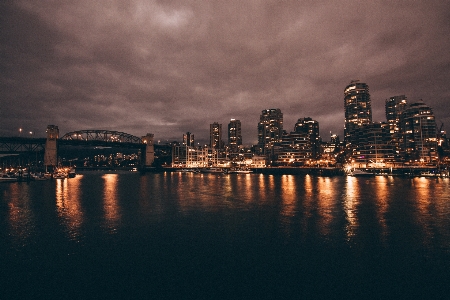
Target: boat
{"points": [[429, 173], [59, 176], [361, 173], [7, 178], [71, 173], [211, 170], [240, 171]]}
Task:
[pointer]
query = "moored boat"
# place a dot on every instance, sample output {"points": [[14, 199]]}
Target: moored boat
{"points": [[240, 171], [7, 178], [360, 173], [59, 176], [211, 170]]}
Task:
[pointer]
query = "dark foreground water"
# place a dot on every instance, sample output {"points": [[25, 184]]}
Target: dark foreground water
{"points": [[236, 236]]}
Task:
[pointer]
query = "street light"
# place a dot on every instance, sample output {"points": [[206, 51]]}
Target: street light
{"points": [[20, 131]]}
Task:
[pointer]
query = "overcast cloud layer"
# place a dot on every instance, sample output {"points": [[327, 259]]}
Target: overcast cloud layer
{"points": [[168, 67]]}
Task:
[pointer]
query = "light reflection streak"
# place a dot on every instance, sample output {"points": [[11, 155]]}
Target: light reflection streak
{"points": [[288, 200], [351, 205], [326, 202], [308, 204], [422, 186], [111, 202], [382, 203], [68, 205]]}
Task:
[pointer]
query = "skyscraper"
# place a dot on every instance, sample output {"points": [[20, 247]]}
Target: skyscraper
{"points": [[394, 108], [358, 109], [215, 136], [188, 139], [270, 130], [311, 128], [234, 135], [419, 131]]}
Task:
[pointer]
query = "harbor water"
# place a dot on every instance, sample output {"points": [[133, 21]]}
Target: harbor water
{"points": [[124, 235]]}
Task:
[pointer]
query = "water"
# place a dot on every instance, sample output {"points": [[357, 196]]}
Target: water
{"points": [[236, 236]]}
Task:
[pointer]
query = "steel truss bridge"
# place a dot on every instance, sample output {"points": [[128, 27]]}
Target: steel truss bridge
{"points": [[106, 138]]}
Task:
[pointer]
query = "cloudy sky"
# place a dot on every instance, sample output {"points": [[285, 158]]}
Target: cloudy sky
{"points": [[168, 67]]}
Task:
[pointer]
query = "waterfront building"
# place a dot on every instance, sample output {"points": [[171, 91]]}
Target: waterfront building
{"points": [[215, 136], [188, 139], [329, 150], [358, 110], [374, 147], [311, 128], [270, 131], [234, 135], [394, 107], [184, 156], [419, 131], [295, 149]]}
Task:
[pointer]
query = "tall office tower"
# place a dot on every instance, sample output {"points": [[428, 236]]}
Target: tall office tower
{"points": [[358, 109], [215, 136], [311, 128], [418, 127], [270, 130], [394, 108], [234, 135], [188, 139]]}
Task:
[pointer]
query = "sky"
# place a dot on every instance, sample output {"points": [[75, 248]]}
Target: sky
{"points": [[169, 67]]}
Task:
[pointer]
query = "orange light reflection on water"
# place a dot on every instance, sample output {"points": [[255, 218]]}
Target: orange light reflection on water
{"points": [[68, 205], [289, 201], [351, 202], [308, 204], [382, 205], [110, 201], [326, 202]]}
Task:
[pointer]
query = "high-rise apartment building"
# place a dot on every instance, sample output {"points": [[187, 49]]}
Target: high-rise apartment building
{"points": [[418, 126], [374, 147], [234, 135], [188, 139], [311, 128], [358, 109], [394, 108], [215, 136], [270, 130]]}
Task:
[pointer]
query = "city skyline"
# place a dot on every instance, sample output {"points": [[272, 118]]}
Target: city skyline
{"points": [[168, 69]]}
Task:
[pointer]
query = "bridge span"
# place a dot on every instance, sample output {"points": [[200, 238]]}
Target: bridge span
{"points": [[49, 145]]}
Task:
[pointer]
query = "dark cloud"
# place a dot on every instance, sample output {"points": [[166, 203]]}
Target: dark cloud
{"points": [[168, 67]]}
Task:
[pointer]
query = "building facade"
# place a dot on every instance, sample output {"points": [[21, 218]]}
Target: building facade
{"points": [[270, 130], [418, 126], [188, 139], [358, 110], [215, 136], [234, 135], [311, 128], [394, 108]]}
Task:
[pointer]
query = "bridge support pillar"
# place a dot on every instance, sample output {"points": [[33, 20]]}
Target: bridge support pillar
{"points": [[149, 149], [51, 147]]}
